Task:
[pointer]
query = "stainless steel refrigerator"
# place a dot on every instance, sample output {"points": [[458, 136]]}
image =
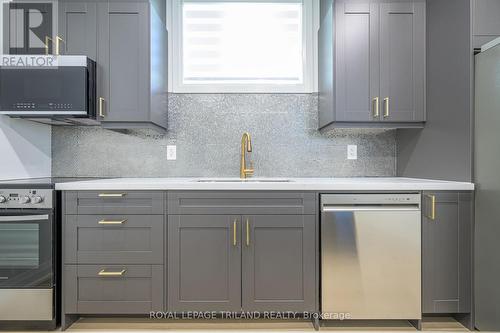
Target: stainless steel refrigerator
{"points": [[487, 179]]}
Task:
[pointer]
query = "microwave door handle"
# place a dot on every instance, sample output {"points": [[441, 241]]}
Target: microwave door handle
{"points": [[18, 218]]}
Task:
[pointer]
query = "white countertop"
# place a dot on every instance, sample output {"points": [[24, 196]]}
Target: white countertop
{"points": [[294, 184]]}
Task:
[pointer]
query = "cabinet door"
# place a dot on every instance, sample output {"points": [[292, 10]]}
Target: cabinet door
{"points": [[78, 28], [279, 263], [204, 263], [113, 289], [446, 252], [357, 60], [123, 53], [402, 61]]}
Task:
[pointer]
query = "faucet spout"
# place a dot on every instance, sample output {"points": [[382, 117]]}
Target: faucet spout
{"points": [[246, 146]]}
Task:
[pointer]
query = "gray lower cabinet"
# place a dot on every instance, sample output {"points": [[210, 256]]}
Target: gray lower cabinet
{"points": [[278, 263], [113, 289], [129, 239], [204, 263], [447, 252], [372, 63], [217, 264], [114, 202]]}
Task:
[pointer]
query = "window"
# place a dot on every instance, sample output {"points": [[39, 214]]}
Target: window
{"points": [[242, 46]]}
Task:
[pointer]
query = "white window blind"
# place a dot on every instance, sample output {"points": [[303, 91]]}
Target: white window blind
{"points": [[242, 42], [240, 45]]}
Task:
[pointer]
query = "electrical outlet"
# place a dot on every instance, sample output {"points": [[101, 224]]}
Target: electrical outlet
{"points": [[352, 152], [171, 153]]}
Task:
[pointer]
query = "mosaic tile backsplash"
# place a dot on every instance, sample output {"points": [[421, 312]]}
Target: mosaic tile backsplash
{"points": [[207, 130]]}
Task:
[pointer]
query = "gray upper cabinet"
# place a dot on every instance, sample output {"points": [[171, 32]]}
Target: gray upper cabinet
{"points": [[204, 263], [128, 40], [356, 60], [402, 61], [486, 21], [78, 28], [374, 73], [446, 252], [279, 263], [132, 87]]}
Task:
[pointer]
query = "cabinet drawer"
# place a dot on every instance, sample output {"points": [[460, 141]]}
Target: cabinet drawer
{"points": [[237, 202], [120, 239], [113, 289], [114, 202]]}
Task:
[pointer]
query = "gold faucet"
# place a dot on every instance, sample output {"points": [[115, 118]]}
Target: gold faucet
{"points": [[246, 144]]}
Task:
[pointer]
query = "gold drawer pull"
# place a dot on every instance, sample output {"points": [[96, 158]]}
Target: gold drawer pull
{"points": [[111, 195], [234, 232], [386, 107], [112, 221], [433, 207], [376, 103], [104, 273], [248, 232], [101, 107]]}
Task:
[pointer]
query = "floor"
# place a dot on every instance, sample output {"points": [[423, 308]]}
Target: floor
{"points": [[128, 325]]}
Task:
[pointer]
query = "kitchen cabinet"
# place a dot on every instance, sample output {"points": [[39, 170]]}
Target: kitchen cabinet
{"points": [[113, 253], [126, 289], [222, 260], [278, 263], [486, 21], [204, 266], [447, 252], [372, 64], [128, 40], [78, 28]]}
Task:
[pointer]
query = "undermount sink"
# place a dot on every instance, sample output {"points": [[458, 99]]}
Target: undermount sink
{"points": [[250, 180]]}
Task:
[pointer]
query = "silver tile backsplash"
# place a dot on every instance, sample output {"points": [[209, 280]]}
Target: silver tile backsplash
{"points": [[207, 130]]}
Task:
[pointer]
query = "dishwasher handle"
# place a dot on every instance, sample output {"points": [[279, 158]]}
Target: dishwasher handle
{"points": [[367, 208]]}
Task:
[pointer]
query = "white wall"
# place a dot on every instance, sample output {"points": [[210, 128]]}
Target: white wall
{"points": [[25, 149]]}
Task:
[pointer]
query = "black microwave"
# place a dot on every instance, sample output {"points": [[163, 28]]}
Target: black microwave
{"points": [[58, 90]]}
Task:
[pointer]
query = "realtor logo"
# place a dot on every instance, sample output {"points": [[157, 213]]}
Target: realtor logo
{"points": [[29, 26]]}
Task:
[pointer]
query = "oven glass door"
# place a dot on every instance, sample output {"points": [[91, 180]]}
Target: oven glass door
{"points": [[26, 251], [43, 91]]}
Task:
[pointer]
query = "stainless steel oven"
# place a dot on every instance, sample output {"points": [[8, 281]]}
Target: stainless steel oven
{"points": [[27, 255], [57, 88]]}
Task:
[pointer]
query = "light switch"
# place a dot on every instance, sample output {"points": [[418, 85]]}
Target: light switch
{"points": [[352, 152], [171, 153]]}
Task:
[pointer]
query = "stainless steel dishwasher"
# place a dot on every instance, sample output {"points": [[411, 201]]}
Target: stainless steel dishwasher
{"points": [[371, 256]]}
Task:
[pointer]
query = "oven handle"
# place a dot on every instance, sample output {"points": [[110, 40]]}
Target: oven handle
{"points": [[24, 218]]}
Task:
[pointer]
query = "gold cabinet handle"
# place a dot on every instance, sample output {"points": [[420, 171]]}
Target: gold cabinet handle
{"points": [[47, 47], [111, 195], [234, 232], [104, 273], [112, 221], [376, 103], [248, 233], [101, 107], [58, 40], [386, 107], [432, 216]]}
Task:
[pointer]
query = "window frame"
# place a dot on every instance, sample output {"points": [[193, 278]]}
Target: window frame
{"points": [[309, 54]]}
